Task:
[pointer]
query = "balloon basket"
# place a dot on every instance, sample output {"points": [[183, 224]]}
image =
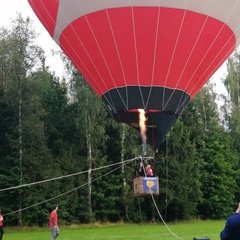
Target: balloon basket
{"points": [[146, 186]]}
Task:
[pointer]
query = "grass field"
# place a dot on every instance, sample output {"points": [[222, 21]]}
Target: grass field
{"points": [[184, 231]]}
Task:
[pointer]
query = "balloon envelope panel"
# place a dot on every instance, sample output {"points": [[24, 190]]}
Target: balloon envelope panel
{"points": [[154, 55]]}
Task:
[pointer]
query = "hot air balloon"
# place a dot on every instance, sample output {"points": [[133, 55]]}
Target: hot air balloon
{"points": [[136, 54]]}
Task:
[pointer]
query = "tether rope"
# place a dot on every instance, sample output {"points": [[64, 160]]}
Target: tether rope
{"points": [[74, 189], [156, 207], [61, 177]]}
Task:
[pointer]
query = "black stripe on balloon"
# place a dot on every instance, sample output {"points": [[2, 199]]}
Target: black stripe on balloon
{"points": [[163, 106]]}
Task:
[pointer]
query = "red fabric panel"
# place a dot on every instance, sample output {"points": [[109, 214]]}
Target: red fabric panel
{"points": [[214, 45], [82, 47], [142, 46], [118, 47], [214, 58], [124, 38], [145, 25], [169, 25], [46, 12]]}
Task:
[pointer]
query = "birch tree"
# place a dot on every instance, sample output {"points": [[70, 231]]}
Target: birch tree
{"points": [[19, 55]]}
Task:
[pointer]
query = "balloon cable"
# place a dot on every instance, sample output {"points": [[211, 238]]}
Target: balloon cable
{"points": [[74, 189], [158, 211]]}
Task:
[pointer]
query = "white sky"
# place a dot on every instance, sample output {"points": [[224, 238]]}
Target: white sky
{"points": [[8, 11]]}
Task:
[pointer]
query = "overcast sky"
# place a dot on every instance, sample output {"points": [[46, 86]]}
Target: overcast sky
{"points": [[9, 10]]}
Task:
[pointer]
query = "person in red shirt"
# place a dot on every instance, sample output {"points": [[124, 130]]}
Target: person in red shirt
{"points": [[53, 223], [1, 226], [149, 171]]}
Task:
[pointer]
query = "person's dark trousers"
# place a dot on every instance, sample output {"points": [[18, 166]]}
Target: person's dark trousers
{"points": [[1, 233]]}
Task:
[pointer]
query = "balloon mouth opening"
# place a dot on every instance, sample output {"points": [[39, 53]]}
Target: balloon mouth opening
{"points": [[146, 110]]}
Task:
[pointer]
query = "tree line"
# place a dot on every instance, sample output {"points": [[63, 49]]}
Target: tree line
{"points": [[58, 144]]}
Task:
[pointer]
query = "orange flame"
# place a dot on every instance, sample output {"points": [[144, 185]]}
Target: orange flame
{"points": [[142, 124]]}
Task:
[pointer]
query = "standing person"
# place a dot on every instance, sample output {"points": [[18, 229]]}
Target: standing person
{"points": [[1, 225], [53, 223], [149, 171], [231, 230], [139, 171]]}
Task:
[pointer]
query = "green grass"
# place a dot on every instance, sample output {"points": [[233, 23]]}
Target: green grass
{"points": [[183, 231]]}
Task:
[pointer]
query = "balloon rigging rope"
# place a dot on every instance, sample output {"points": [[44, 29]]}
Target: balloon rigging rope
{"points": [[81, 186], [64, 176], [160, 215], [156, 207], [74, 189]]}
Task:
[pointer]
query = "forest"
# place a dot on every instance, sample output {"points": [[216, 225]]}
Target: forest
{"points": [[59, 145]]}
